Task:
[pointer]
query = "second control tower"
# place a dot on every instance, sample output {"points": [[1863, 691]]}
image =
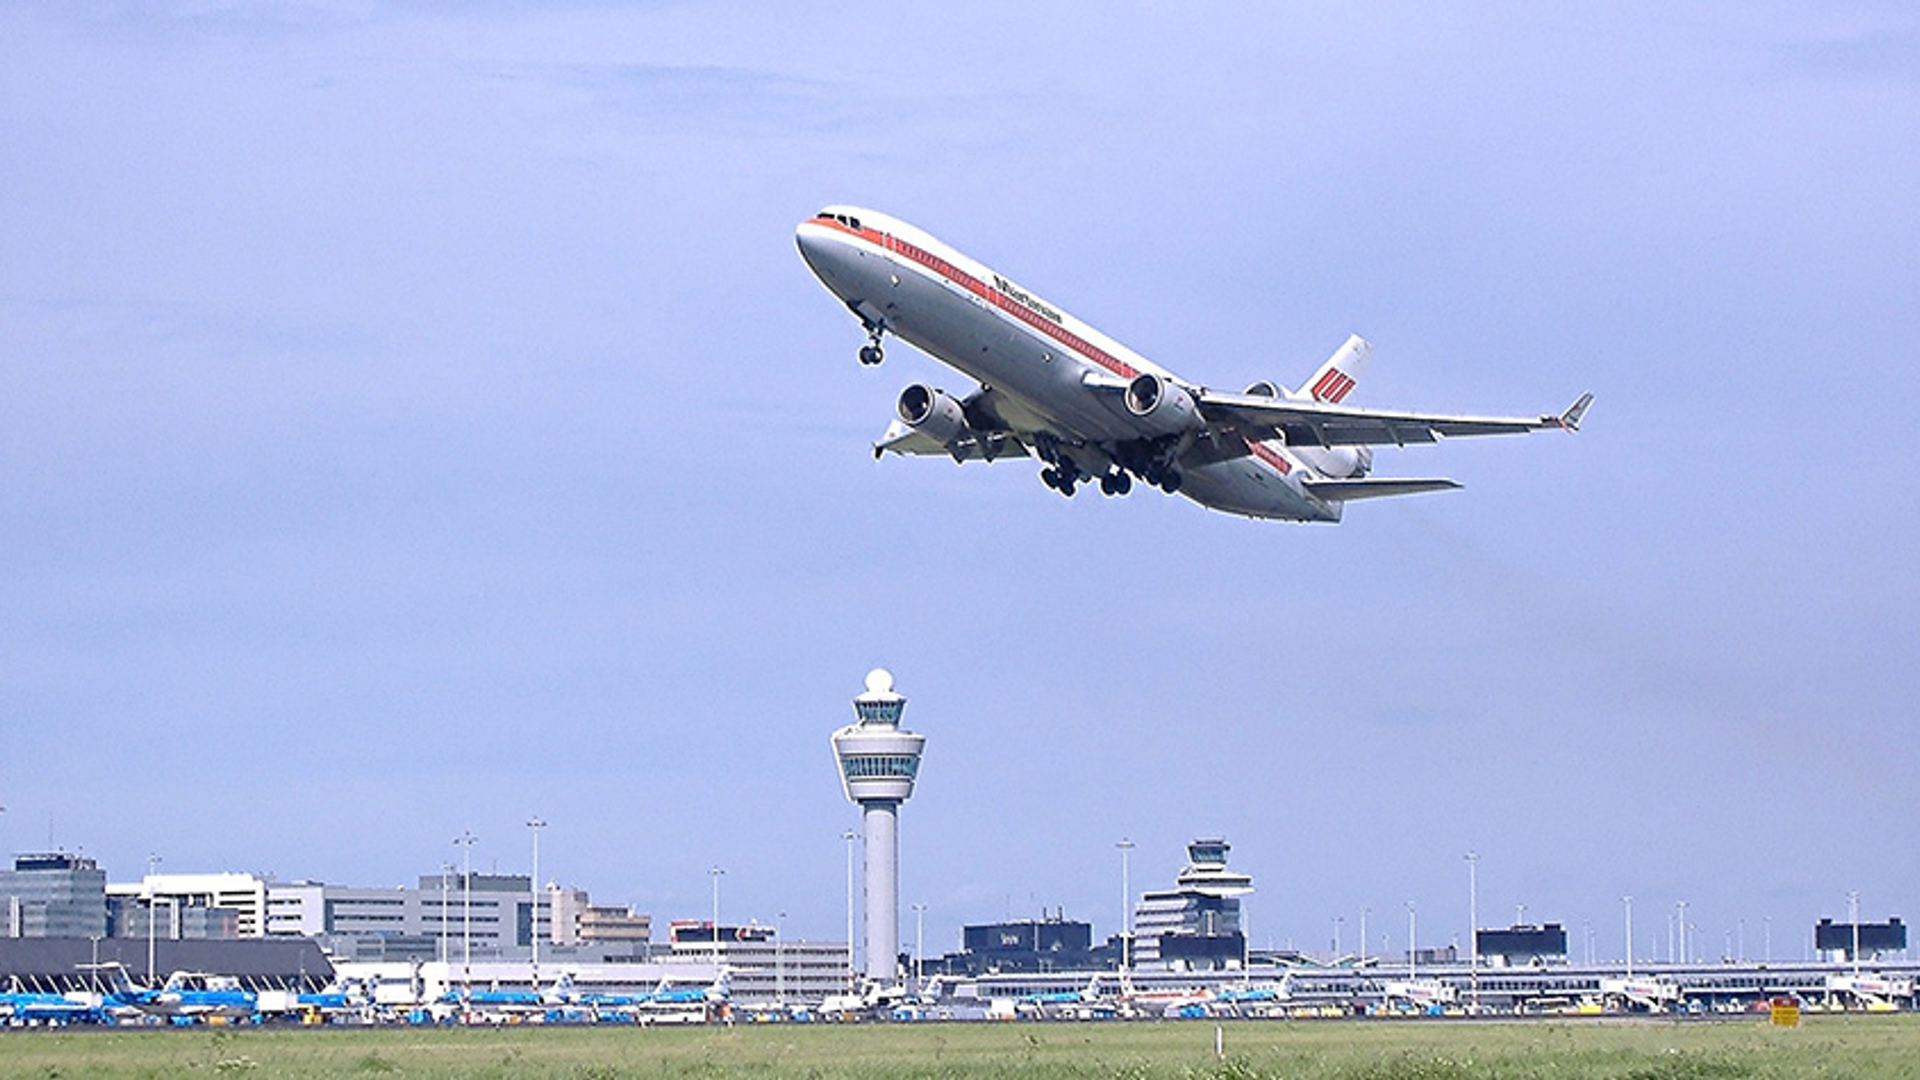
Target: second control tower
{"points": [[878, 762]]}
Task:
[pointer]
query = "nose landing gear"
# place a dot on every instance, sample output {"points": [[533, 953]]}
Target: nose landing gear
{"points": [[871, 354]]}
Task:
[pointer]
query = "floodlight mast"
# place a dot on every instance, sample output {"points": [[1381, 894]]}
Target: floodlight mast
{"points": [[878, 764]]}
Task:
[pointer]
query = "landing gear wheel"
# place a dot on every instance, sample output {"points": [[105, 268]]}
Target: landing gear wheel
{"points": [[871, 355], [1170, 482]]}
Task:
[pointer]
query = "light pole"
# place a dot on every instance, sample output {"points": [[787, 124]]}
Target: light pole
{"points": [[1363, 935], [780, 960], [152, 861], [850, 836], [1410, 940], [1473, 925], [1853, 916], [534, 825], [446, 959], [1682, 905], [716, 872], [1766, 931], [1126, 847], [919, 945], [1628, 901], [466, 841]]}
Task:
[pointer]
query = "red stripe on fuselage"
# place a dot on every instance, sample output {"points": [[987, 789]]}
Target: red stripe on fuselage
{"points": [[1269, 455], [1025, 315]]}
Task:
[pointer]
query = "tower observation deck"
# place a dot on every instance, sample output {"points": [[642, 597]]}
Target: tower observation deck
{"points": [[878, 763]]}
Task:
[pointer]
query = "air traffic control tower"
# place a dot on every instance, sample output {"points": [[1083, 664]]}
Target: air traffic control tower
{"points": [[878, 762]]}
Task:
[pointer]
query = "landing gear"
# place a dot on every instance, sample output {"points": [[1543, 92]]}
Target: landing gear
{"points": [[871, 353], [1061, 474], [1151, 460], [1116, 482], [1063, 478]]}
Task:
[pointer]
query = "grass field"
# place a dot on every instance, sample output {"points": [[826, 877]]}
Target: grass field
{"points": [[1836, 1046]]}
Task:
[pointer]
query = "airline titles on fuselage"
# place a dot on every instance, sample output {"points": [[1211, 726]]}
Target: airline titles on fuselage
{"points": [[1032, 302]]}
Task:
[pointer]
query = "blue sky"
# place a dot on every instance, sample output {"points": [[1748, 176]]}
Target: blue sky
{"points": [[419, 419]]}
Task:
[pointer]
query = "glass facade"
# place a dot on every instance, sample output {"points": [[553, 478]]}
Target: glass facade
{"points": [[53, 895]]}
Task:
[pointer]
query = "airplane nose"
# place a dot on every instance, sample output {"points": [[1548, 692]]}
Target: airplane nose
{"points": [[821, 250]]}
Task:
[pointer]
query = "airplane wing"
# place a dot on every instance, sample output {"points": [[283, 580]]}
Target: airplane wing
{"points": [[1319, 423], [984, 446], [1350, 490]]}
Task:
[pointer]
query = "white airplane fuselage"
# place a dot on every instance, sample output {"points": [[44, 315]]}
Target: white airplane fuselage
{"points": [[1038, 361]]}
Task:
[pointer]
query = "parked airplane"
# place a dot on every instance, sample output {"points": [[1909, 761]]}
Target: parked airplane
{"points": [[1091, 992], [30, 1007], [669, 994], [1258, 993], [1092, 409], [185, 995]]}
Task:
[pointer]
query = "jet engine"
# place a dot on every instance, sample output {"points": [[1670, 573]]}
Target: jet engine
{"points": [[1166, 407], [933, 413], [1339, 462]]}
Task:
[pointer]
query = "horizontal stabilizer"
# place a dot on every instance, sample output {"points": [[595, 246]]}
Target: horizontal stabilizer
{"points": [[1349, 490]]}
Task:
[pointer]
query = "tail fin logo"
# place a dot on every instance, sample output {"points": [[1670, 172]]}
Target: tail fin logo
{"points": [[1333, 386]]}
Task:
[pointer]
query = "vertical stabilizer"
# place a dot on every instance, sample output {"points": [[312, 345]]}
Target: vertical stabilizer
{"points": [[1341, 373]]}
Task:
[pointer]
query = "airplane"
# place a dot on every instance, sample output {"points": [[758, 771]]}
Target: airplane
{"points": [[338, 997], [1257, 993], [667, 994], [1065, 997], [1090, 409], [1170, 1002], [186, 995], [496, 1000], [1085, 1002], [32, 1007]]}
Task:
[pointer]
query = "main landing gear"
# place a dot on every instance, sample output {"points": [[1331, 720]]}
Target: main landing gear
{"points": [[1065, 478], [1064, 475], [1152, 461]]}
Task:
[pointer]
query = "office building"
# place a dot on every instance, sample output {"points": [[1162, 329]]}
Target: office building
{"points": [[53, 894]]}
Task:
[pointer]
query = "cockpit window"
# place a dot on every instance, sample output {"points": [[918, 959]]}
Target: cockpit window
{"points": [[850, 222]]}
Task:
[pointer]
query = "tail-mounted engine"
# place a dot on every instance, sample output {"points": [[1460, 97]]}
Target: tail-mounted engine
{"points": [[1339, 462], [933, 413], [1165, 407]]}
